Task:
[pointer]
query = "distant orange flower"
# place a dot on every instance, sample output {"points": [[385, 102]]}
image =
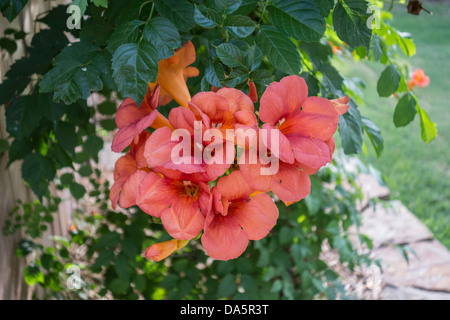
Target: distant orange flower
{"points": [[162, 250], [418, 78], [173, 73]]}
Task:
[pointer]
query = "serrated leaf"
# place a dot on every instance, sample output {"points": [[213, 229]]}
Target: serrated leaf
{"points": [[124, 33], [74, 75], [427, 127], [22, 117], [253, 58], [162, 34], [135, 65], [389, 81], [350, 130], [324, 6], [279, 49], [214, 74], [230, 55], [240, 26], [206, 17], [11, 9], [350, 23], [405, 110], [301, 20], [374, 135], [38, 171], [227, 6], [180, 12]]}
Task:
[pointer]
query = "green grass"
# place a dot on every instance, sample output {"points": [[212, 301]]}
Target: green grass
{"points": [[418, 173]]}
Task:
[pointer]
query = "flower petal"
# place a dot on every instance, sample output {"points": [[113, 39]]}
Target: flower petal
{"points": [[223, 238], [154, 195], [183, 220], [130, 189], [290, 183], [234, 186], [310, 151], [257, 216]]}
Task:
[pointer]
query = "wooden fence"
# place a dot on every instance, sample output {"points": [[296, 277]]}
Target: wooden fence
{"points": [[12, 187]]}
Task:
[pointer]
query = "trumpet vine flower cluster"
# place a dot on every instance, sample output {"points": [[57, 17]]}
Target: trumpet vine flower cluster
{"points": [[211, 169]]}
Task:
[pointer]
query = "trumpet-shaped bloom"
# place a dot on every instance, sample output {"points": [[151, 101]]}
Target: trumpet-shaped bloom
{"points": [[129, 171], [173, 73], [132, 120], [178, 199], [228, 108], [162, 147], [419, 79], [162, 250], [237, 217], [305, 123]]}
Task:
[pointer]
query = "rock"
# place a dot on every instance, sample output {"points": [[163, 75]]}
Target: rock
{"points": [[392, 224], [370, 189], [409, 293]]}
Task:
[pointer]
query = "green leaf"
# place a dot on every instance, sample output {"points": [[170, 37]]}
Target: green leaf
{"points": [[85, 171], [135, 65], [374, 135], [253, 58], [350, 23], [74, 75], [206, 17], [124, 33], [22, 117], [405, 110], [403, 40], [214, 74], [227, 6], [4, 145], [350, 130], [121, 266], [66, 178], [93, 145], [100, 3], [227, 286], [162, 34], [33, 275], [428, 128], [38, 171], [279, 49], [301, 20], [25, 247], [239, 26], [324, 6], [107, 108], [77, 190], [119, 285], [389, 81], [230, 55], [8, 45], [11, 8], [180, 12], [66, 136]]}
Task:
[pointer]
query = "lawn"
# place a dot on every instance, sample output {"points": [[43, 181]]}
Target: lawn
{"points": [[418, 173]]}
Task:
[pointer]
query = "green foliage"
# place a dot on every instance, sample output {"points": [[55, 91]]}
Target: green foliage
{"points": [[58, 136]]}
